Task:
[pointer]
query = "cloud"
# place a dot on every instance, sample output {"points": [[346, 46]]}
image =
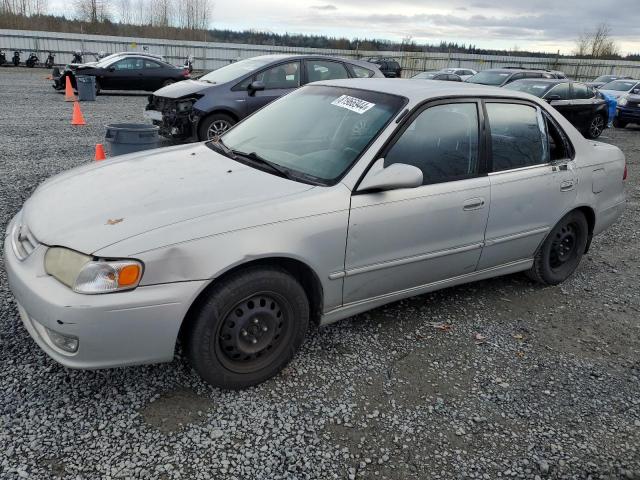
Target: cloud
{"points": [[326, 8]]}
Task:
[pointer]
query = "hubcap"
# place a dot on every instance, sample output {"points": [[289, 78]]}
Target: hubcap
{"points": [[563, 245], [252, 329], [217, 128], [597, 124]]}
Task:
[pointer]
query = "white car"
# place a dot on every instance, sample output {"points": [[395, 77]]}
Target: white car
{"points": [[463, 73], [619, 88]]}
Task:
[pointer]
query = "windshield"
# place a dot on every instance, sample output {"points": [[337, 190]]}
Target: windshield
{"points": [[605, 79], [425, 75], [316, 132], [236, 70], [489, 78], [534, 88], [619, 85], [108, 60]]}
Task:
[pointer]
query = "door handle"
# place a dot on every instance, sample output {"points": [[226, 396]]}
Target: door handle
{"points": [[567, 185], [473, 204]]}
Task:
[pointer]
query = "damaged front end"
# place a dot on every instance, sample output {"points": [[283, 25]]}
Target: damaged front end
{"points": [[175, 116]]}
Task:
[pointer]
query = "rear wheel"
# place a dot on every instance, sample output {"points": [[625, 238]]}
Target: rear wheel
{"points": [[214, 125], [619, 123], [97, 87], [561, 252], [248, 328], [596, 126]]}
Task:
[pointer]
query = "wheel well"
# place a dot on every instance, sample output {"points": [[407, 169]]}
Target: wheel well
{"points": [[297, 269], [591, 221], [224, 112]]}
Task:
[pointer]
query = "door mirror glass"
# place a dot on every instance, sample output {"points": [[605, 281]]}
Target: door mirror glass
{"points": [[256, 86], [397, 175]]}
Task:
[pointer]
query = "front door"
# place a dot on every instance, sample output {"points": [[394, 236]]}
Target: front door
{"points": [[404, 239], [278, 81], [533, 181], [127, 74]]}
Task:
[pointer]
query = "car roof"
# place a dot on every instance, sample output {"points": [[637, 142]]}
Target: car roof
{"points": [[550, 81], [417, 90], [276, 57]]}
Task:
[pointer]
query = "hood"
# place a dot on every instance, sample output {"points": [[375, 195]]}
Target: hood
{"points": [[93, 206], [184, 88]]}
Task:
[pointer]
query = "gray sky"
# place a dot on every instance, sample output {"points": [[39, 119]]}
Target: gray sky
{"points": [[548, 25]]}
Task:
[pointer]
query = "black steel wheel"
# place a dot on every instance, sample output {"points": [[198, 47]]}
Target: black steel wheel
{"points": [[596, 127], [248, 327], [562, 250]]}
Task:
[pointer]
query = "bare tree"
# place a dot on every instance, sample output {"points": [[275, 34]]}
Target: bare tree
{"points": [[23, 7], [93, 11], [125, 13], [597, 43]]}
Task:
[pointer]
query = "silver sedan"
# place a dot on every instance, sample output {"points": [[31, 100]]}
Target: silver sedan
{"points": [[335, 199]]}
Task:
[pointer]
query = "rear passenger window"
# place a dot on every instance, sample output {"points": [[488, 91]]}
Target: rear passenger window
{"points": [[362, 72], [322, 70], [582, 92], [442, 141], [518, 137]]}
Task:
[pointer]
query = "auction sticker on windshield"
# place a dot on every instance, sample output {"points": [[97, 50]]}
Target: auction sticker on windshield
{"points": [[352, 103]]}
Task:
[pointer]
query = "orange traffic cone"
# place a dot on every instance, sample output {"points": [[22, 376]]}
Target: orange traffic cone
{"points": [[77, 118], [68, 91], [100, 152], [49, 77]]}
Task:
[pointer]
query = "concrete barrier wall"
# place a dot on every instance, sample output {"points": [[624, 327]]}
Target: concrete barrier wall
{"points": [[210, 55]]}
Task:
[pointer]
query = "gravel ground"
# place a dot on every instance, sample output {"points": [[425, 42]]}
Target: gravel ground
{"points": [[500, 378]]}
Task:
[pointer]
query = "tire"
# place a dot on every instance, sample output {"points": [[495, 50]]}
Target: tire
{"points": [[562, 250], [217, 122], [596, 127], [248, 328], [98, 88], [617, 123]]}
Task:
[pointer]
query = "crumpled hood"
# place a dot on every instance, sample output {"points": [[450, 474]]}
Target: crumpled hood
{"points": [[183, 88], [93, 206]]}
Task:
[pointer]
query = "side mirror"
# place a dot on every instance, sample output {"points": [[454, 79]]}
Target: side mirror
{"points": [[636, 91], [397, 175], [552, 98], [256, 86], [111, 69]]}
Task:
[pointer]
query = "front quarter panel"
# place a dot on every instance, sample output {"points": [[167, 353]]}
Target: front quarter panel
{"points": [[310, 228]]}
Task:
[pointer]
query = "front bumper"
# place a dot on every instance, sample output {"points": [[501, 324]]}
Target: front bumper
{"points": [[126, 328], [626, 114]]}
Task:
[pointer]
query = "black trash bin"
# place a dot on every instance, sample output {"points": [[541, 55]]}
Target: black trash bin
{"points": [[131, 137], [86, 86]]}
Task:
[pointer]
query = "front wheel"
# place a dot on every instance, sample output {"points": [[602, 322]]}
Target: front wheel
{"points": [[214, 125], [596, 126], [248, 328], [561, 252]]}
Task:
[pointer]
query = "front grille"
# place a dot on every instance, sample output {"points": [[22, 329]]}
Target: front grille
{"points": [[23, 241]]}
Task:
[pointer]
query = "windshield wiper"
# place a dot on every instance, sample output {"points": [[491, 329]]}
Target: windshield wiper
{"points": [[226, 151], [263, 161]]}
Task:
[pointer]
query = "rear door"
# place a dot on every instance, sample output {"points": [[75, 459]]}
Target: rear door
{"points": [[406, 239], [585, 103], [278, 81], [530, 189], [559, 97], [154, 75]]}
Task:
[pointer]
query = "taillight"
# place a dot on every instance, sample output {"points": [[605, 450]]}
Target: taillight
{"points": [[624, 175], [185, 73]]}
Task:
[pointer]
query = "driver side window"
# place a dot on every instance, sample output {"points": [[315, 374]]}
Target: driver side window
{"points": [[129, 64], [442, 141]]}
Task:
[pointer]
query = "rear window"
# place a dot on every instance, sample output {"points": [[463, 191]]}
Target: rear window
{"points": [[489, 78]]}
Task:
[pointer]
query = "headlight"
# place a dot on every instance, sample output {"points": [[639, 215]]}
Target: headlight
{"points": [[85, 275], [623, 101]]}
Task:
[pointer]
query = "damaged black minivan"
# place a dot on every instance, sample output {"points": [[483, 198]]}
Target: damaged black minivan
{"points": [[205, 108]]}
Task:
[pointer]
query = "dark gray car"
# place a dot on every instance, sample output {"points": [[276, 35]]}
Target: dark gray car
{"points": [[499, 77], [207, 107]]}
